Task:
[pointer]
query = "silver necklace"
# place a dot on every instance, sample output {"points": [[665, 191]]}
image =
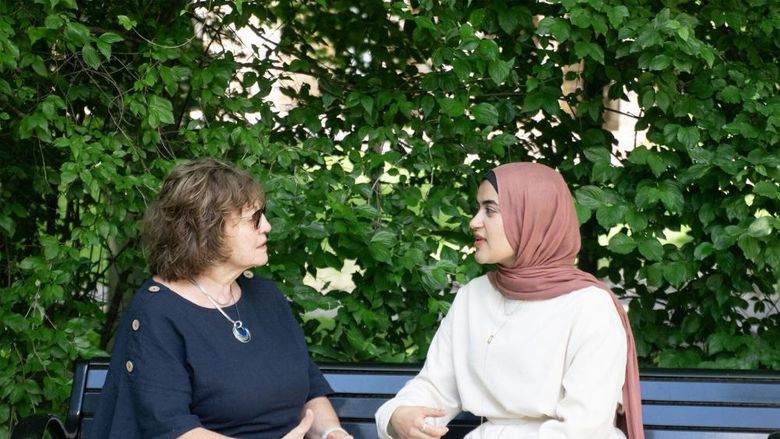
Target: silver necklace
{"points": [[241, 333]]}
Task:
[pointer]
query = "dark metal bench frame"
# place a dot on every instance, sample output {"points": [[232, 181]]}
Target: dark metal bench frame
{"points": [[677, 404]]}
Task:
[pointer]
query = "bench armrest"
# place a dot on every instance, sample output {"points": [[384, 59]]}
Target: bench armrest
{"points": [[35, 426]]}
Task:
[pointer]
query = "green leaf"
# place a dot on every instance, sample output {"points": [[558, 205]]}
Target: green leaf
{"points": [[616, 14], [646, 196], [507, 21], [7, 224], [160, 111], [591, 197], [760, 227], [583, 213], [499, 70], [730, 94], [598, 154], [703, 250], [381, 245], [767, 189], [90, 56], [662, 100], [688, 136], [485, 114], [751, 248], [452, 107], [111, 38], [556, 27], [660, 62], [126, 22], [105, 49], [462, 68], [610, 216], [314, 230], [675, 273], [581, 17], [637, 221], [367, 102], [621, 244], [487, 50], [671, 196], [77, 33], [651, 249], [53, 21]]}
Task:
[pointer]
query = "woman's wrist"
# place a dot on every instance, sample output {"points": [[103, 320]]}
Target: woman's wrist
{"points": [[335, 433]]}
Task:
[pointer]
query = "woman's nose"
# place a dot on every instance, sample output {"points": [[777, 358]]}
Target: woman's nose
{"points": [[265, 226], [475, 222]]}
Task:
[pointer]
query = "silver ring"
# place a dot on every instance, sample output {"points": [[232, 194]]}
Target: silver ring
{"points": [[422, 429]]}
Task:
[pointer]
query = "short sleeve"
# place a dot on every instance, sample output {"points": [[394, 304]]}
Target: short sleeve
{"points": [[318, 385], [158, 376]]}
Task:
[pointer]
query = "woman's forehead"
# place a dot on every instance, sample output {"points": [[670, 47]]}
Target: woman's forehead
{"points": [[487, 192]]}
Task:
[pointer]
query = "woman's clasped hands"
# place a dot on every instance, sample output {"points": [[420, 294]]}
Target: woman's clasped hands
{"points": [[409, 422]]}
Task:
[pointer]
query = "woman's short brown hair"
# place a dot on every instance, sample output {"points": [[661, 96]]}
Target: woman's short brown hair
{"points": [[183, 230]]}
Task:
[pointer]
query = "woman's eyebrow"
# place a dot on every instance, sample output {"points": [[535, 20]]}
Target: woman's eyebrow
{"points": [[488, 203]]}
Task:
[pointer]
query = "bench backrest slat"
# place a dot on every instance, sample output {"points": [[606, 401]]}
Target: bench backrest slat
{"points": [[680, 404]]}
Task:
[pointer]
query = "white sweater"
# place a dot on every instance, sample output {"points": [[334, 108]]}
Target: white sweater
{"points": [[551, 369]]}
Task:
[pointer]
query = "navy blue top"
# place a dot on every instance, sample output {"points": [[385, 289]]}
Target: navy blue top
{"points": [[176, 366]]}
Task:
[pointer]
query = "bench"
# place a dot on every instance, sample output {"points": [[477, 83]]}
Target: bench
{"points": [[677, 404]]}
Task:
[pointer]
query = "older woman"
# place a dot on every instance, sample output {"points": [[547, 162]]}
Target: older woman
{"points": [[206, 349], [537, 348]]}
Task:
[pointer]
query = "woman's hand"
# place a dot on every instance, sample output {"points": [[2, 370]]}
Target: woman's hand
{"points": [[299, 432], [408, 422], [338, 434]]}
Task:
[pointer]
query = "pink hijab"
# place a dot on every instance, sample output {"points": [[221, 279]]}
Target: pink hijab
{"points": [[541, 224]]}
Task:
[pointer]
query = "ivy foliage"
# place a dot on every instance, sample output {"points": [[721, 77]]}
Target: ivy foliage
{"points": [[371, 124]]}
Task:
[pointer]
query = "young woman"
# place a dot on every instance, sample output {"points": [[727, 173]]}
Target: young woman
{"points": [[537, 348], [206, 349]]}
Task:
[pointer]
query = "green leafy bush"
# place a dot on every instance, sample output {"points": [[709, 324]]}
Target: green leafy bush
{"points": [[370, 124]]}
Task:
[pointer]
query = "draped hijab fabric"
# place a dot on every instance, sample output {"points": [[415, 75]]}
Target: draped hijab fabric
{"points": [[541, 225]]}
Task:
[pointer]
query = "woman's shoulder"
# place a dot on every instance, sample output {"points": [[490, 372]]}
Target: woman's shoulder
{"points": [[478, 284], [260, 289], [595, 306], [593, 296], [151, 295], [478, 289]]}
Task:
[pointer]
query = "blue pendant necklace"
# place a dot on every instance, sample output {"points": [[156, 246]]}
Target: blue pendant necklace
{"points": [[241, 333]]}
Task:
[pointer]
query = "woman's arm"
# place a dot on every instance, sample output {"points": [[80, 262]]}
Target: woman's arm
{"points": [[202, 433], [299, 432], [325, 419], [594, 374], [431, 396]]}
